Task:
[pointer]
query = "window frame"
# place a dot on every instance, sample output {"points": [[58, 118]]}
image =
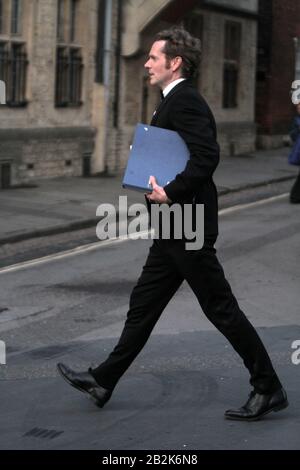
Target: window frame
{"points": [[190, 20], [16, 21], [73, 20], [69, 57], [231, 63], [60, 21], [13, 71], [68, 75]]}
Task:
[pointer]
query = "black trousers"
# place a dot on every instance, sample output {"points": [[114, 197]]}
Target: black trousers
{"points": [[167, 265]]}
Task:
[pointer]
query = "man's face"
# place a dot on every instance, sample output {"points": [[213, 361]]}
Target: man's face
{"points": [[159, 68]]}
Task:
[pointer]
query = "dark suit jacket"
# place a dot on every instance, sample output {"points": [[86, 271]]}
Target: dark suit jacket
{"points": [[184, 110]]}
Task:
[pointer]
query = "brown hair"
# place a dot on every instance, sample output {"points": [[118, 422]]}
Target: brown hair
{"points": [[180, 42]]}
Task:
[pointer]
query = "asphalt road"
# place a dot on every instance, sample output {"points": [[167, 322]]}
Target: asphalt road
{"points": [[72, 308]]}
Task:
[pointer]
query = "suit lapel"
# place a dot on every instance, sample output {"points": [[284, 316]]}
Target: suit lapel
{"points": [[163, 103]]}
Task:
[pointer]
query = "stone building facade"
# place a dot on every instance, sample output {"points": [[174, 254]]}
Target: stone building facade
{"points": [[228, 30], [53, 123], [76, 85]]}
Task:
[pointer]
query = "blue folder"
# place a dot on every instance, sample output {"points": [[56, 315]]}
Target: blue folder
{"points": [[155, 151]]}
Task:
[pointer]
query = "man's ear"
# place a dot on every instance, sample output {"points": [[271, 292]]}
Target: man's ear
{"points": [[177, 63]]}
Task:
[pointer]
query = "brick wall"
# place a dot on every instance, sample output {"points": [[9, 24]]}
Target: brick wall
{"points": [[278, 25]]}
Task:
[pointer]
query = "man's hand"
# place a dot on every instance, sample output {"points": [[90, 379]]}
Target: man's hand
{"points": [[158, 193]]}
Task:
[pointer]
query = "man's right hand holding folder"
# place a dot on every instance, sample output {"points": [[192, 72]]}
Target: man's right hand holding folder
{"points": [[158, 193]]}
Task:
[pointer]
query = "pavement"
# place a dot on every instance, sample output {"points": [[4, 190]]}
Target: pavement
{"points": [[165, 401], [58, 205]]}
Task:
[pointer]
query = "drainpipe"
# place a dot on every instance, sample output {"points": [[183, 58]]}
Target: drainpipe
{"points": [[118, 65], [107, 17], [106, 72], [117, 80], [107, 40]]}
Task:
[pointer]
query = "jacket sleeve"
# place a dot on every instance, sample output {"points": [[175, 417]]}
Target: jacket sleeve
{"points": [[192, 119]]}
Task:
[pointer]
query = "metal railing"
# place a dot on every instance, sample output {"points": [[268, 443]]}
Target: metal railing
{"points": [[13, 66], [69, 69]]}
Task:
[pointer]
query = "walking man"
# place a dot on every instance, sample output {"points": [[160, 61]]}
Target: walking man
{"points": [[172, 65]]}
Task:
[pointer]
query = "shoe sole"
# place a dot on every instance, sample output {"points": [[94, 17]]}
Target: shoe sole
{"points": [[95, 400], [275, 409]]}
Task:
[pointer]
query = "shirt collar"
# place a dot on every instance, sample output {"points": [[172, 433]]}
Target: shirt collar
{"points": [[172, 85]]}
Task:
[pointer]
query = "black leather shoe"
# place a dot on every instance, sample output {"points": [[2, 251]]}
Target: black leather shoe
{"points": [[259, 405], [85, 382]]}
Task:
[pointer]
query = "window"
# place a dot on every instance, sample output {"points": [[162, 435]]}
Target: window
{"points": [[13, 64], [68, 77], [13, 56], [69, 65], [4, 15], [67, 17], [100, 52], [73, 20], [15, 17], [145, 95], [11, 17], [3, 62], [193, 23], [60, 20], [231, 63]]}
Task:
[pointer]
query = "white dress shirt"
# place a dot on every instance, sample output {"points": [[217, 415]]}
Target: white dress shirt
{"points": [[171, 86]]}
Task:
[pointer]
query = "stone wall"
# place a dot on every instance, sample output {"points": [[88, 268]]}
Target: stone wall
{"points": [[40, 153], [51, 141]]}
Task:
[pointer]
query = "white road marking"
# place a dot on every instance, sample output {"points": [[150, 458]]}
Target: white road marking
{"points": [[72, 252], [124, 238], [240, 207]]}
